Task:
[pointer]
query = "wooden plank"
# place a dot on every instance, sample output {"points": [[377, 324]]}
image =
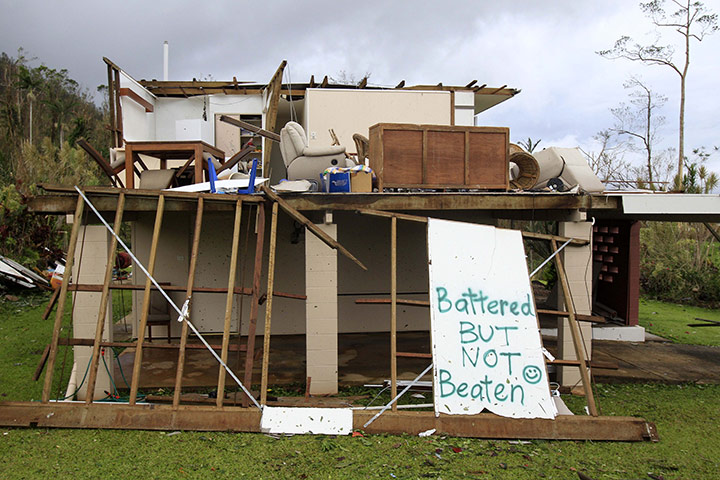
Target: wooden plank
{"points": [[592, 364], [412, 355], [268, 307], [229, 302], [111, 104], [466, 160], [257, 272], [393, 311], [275, 86], [132, 95], [250, 127], [88, 342], [400, 301], [544, 236], [104, 297], [324, 237], [401, 216], [115, 96], [130, 417], [243, 269], [129, 164], [51, 303], [452, 108], [41, 363], [96, 287], [237, 419], [188, 297], [575, 332], [77, 221], [137, 365], [84, 287], [487, 425], [578, 316], [519, 204]]}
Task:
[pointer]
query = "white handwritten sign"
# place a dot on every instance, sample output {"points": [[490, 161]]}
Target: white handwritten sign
{"points": [[487, 351]]}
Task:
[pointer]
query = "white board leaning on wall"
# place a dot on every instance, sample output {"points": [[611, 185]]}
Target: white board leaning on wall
{"points": [[486, 346]]}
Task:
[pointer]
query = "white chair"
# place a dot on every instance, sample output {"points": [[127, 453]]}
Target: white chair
{"points": [[303, 162]]}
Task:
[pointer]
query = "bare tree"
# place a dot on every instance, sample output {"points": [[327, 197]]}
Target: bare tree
{"points": [[692, 21], [638, 121], [608, 162], [349, 78]]}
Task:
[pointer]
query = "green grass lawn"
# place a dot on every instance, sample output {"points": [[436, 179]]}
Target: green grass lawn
{"points": [[23, 337], [670, 320], [685, 415]]}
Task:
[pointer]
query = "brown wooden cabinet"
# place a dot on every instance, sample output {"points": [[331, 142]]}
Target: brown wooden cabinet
{"points": [[439, 156]]}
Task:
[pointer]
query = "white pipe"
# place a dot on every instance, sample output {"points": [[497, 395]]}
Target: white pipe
{"points": [[549, 258], [166, 61], [72, 383]]}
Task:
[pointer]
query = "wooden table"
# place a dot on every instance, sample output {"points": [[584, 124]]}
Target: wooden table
{"points": [[188, 150]]}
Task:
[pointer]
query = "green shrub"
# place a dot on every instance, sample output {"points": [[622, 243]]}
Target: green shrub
{"points": [[677, 263], [24, 237]]}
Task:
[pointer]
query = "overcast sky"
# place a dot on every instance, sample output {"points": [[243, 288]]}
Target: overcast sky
{"points": [[544, 48]]}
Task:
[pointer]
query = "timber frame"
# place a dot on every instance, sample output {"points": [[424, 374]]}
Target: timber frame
{"points": [[125, 204]]}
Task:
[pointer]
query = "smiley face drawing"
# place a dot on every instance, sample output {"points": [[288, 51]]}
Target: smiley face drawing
{"points": [[532, 374]]}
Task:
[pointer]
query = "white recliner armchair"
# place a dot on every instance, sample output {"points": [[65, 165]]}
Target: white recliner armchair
{"points": [[303, 162]]}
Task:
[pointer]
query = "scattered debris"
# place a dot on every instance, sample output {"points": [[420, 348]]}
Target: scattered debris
{"points": [[14, 274]]}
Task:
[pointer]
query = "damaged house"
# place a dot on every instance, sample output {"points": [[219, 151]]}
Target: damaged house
{"points": [[332, 265]]}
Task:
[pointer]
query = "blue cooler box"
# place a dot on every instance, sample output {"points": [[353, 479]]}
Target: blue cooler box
{"points": [[336, 182]]}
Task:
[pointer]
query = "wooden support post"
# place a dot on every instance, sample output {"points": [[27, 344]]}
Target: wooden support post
{"points": [[118, 108], [268, 307], [243, 268], [137, 365], [257, 272], [575, 331], [393, 311], [61, 301], [105, 295], [111, 104], [229, 302], [300, 218], [188, 297]]}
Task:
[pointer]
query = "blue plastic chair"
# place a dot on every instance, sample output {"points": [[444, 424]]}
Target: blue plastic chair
{"points": [[251, 184]]}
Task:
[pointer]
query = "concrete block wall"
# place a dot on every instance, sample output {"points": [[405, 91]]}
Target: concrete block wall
{"points": [[321, 313], [91, 256], [578, 266]]}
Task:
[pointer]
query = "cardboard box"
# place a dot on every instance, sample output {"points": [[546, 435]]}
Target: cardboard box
{"points": [[360, 181]]}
